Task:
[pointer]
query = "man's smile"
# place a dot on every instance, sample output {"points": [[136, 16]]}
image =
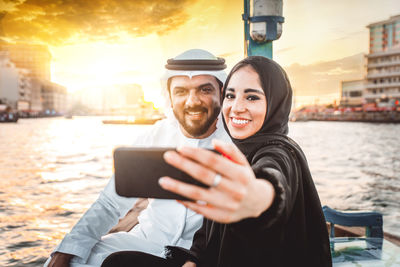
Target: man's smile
{"points": [[195, 114]]}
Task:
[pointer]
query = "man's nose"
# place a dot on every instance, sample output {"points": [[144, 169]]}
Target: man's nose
{"points": [[193, 99]]}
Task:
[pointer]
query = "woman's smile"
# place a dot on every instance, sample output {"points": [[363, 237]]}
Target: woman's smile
{"points": [[239, 122]]}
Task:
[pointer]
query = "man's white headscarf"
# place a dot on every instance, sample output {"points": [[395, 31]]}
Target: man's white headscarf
{"points": [[191, 63]]}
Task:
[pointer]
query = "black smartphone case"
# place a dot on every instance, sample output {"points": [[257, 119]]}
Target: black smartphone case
{"points": [[137, 171]]}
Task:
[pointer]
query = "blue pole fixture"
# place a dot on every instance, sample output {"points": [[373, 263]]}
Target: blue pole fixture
{"points": [[262, 26]]}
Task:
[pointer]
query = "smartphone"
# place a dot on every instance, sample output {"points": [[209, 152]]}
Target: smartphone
{"points": [[137, 171]]}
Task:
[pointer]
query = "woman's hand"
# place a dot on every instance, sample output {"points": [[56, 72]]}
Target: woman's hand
{"points": [[238, 195]]}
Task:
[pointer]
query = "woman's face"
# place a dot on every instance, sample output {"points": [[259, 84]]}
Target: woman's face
{"points": [[245, 105]]}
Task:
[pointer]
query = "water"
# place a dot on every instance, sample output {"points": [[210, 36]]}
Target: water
{"points": [[51, 170]]}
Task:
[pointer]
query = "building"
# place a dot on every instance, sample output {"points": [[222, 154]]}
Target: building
{"points": [[116, 99], [352, 93], [36, 106], [383, 67], [54, 98], [35, 58], [25, 80], [14, 85], [132, 93], [9, 80]]}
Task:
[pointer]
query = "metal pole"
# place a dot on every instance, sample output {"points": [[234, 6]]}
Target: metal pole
{"points": [[271, 19]]}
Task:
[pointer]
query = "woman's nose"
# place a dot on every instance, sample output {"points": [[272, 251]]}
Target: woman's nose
{"points": [[238, 106]]}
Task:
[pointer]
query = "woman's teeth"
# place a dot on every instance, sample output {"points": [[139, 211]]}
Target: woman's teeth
{"points": [[238, 121]]}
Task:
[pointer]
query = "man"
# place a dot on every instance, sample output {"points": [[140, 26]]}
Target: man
{"points": [[192, 82]]}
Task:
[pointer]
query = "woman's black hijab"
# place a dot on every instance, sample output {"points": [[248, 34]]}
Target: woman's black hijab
{"points": [[273, 133], [278, 93]]}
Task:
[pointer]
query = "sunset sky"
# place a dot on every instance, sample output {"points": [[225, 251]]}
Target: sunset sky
{"points": [[103, 42]]}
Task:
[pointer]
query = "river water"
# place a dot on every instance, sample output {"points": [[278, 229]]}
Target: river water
{"points": [[52, 169]]}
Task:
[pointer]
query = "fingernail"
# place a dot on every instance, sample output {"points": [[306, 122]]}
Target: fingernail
{"points": [[169, 156], [164, 181], [201, 202], [166, 154], [180, 149]]}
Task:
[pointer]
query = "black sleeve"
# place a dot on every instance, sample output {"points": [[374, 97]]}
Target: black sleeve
{"points": [[199, 242], [278, 165], [179, 255]]}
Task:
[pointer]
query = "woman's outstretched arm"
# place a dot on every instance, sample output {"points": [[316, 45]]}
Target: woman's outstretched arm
{"points": [[238, 195]]}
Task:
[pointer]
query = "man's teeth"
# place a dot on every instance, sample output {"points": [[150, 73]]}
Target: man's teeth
{"points": [[194, 113], [237, 121]]}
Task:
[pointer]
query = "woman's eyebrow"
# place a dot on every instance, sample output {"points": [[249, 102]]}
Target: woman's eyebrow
{"points": [[257, 91]]}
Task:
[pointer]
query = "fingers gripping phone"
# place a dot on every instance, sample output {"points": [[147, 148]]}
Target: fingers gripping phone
{"points": [[137, 171]]}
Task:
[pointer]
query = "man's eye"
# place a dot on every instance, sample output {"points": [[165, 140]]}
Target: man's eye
{"points": [[253, 97], [179, 92], [229, 96], [206, 89]]}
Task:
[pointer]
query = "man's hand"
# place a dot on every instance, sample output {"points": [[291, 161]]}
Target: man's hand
{"points": [[60, 259], [189, 264], [131, 218]]}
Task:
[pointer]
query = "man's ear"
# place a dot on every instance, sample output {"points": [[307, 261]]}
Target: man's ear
{"points": [[221, 87], [169, 92]]}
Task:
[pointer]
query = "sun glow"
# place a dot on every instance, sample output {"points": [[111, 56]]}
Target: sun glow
{"points": [[96, 66]]}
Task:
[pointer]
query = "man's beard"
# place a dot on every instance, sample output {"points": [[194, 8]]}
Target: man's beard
{"points": [[197, 128]]}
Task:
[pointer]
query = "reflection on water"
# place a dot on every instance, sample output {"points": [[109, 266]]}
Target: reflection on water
{"points": [[51, 170], [355, 165]]}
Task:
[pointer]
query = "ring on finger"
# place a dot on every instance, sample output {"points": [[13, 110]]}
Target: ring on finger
{"points": [[217, 180]]}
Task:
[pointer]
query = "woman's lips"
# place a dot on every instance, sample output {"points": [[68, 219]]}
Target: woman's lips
{"points": [[239, 122]]}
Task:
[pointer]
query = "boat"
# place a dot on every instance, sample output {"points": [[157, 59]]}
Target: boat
{"points": [[358, 239], [7, 114], [133, 120]]}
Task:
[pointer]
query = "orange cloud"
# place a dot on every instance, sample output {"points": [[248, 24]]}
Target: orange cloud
{"points": [[68, 22]]}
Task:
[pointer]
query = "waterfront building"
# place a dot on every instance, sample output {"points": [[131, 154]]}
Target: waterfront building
{"points": [[352, 93], [132, 93], [35, 58], [24, 94], [36, 96], [383, 67], [25, 80], [9, 80], [117, 99], [14, 84], [54, 97]]}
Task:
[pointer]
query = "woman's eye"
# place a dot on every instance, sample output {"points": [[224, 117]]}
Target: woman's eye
{"points": [[253, 97], [229, 96]]}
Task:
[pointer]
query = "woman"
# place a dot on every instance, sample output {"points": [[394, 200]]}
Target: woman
{"points": [[262, 208]]}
